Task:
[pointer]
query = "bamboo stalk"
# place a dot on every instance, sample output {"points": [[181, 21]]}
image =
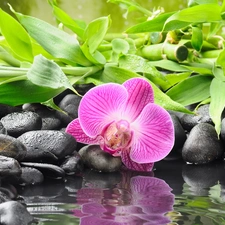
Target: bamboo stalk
{"points": [[164, 51]]}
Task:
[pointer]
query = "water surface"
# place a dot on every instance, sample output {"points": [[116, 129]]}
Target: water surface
{"points": [[174, 193]]}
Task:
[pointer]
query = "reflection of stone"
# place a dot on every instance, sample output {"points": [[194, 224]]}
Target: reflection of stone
{"points": [[201, 177], [135, 200]]}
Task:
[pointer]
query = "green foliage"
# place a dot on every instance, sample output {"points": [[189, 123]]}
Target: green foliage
{"points": [[16, 36], [58, 43], [187, 63]]}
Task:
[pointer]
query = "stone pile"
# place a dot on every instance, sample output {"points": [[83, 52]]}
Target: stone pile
{"points": [[34, 147]]}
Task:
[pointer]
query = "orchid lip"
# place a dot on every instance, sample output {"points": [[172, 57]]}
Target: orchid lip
{"points": [[117, 136]]}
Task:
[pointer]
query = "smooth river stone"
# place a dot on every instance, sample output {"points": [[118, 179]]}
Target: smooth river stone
{"points": [[20, 122], [202, 145], [95, 158], [14, 213], [188, 121], [9, 167], [47, 144], [72, 164], [2, 129], [12, 147], [48, 170], [30, 176]]}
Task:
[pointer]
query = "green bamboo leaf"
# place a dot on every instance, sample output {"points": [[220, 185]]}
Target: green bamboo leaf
{"points": [[201, 68], [115, 74], [221, 60], [191, 90], [94, 35], [218, 73], [95, 32], [174, 78], [76, 26], [58, 43], [153, 25], [47, 73], [24, 91], [16, 36], [196, 14], [223, 10], [198, 2], [8, 58], [169, 65], [140, 65], [217, 91], [197, 38], [120, 45], [131, 6]]}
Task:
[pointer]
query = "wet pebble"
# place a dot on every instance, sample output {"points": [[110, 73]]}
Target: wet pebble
{"points": [[188, 121], [18, 123], [180, 137], [2, 129], [202, 145], [72, 164], [94, 158], [30, 176], [47, 144], [48, 170], [7, 109], [12, 147], [69, 104], [222, 134], [14, 213], [50, 121], [9, 167]]}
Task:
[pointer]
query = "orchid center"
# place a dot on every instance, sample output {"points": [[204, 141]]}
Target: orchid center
{"points": [[117, 136]]}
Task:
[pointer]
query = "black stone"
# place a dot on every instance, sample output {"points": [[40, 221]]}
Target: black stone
{"points": [[30, 176], [69, 104], [72, 164], [222, 133], [9, 167], [7, 109], [180, 137], [188, 121], [20, 122], [2, 129], [12, 147], [14, 213], [47, 144], [50, 121], [48, 170], [83, 88], [202, 145], [95, 158]]}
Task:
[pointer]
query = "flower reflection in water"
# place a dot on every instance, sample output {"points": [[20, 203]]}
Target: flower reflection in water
{"points": [[139, 200]]}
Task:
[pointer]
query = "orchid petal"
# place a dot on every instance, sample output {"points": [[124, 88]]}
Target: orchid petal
{"points": [[153, 135], [130, 164], [76, 131], [140, 93], [100, 106]]}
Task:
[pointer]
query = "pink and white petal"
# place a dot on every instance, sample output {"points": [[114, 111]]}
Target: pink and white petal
{"points": [[127, 161], [76, 131], [100, 106], [140, 93], [153, 135]]}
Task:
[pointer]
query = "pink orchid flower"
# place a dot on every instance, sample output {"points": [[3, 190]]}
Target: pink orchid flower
{"points": [[125, 122]]}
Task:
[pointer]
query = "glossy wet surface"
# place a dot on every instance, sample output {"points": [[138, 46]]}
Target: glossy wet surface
{"points": [[175, 193]]}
